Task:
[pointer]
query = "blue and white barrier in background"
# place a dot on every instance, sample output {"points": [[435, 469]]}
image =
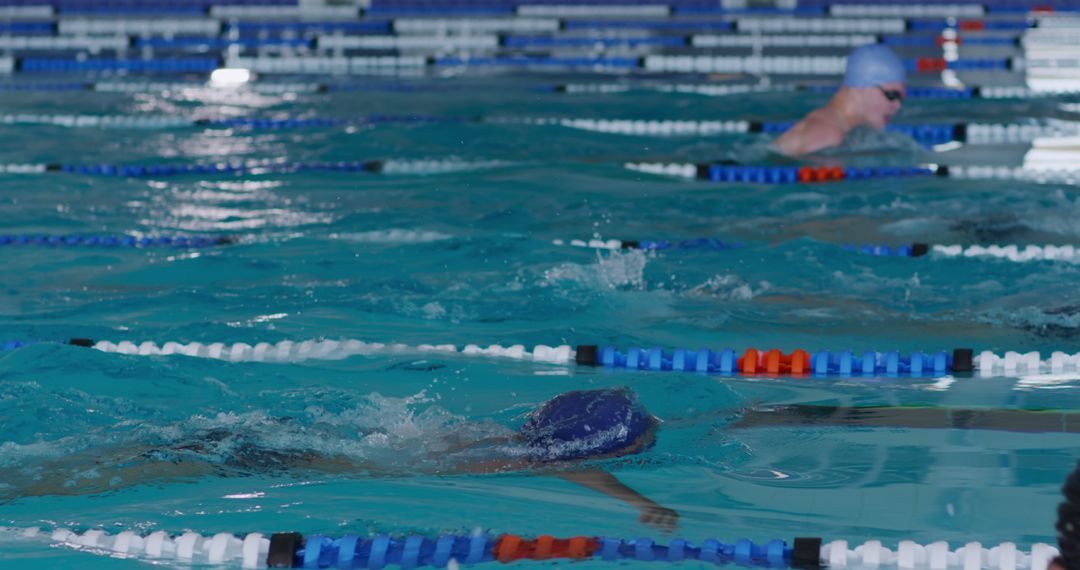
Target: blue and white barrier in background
{"points": [[727, 362]]}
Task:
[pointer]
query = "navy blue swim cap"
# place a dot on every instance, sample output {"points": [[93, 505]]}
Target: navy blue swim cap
{"points": [[586, 423], [873, 65]]}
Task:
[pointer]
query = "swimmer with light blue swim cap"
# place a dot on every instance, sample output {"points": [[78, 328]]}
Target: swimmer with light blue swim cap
{"points": [[873, 65], [872, 92]]}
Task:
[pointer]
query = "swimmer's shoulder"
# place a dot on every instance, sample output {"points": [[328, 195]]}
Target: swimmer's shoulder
{"points": [[818, 130]]}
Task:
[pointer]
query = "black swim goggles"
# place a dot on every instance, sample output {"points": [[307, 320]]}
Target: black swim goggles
{"points": [[891, 94]]}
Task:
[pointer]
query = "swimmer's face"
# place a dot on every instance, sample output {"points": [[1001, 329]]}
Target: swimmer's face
{"points": [[882, 102]]}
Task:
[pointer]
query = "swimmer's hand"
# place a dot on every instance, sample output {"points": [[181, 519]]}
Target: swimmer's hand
{"points": [[658, 516], [652, 513]]}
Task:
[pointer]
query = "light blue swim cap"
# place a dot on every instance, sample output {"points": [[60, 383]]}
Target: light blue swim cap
{"points": [[872, 65]]}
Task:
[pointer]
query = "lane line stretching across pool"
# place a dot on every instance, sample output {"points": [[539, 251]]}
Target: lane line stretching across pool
{"points": [[120, 241], [723, 173], [725, 362], [928, 134], [1016, 253], [1011, 252], [715, 90], [727, 173], [292, 550]]}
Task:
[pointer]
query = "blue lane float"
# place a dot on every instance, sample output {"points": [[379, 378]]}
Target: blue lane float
{"points": [[164, 170], [27, 28], [752, 362], [114, 241], [157, 65], [913, 250], [807, 174], [914, 92]]}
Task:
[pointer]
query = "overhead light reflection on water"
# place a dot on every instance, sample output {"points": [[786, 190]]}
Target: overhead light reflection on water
{"points": [[228, 191], [243, 99], [207, 95], [255, 495], [215, 144], [201, 218]]}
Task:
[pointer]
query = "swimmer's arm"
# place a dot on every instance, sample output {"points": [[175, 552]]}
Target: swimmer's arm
{"points": [[1029, 421], [652, 513]]}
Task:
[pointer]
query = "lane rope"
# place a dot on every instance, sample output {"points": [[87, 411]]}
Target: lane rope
{"points": [[257, 167], [811, 175], [1011, 252], [293, 550], [80, 240], [727, 362]]}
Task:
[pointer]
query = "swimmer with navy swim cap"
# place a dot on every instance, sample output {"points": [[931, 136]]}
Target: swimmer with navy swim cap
{"points": [[589, 425], [563, 437], [871, 94]]}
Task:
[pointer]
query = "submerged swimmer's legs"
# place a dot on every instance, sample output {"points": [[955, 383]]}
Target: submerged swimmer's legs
{"points": [[1030, 421], [93, 473]]}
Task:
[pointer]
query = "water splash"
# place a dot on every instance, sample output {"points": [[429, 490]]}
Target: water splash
{"points": [[613, 270], [728, 287]]}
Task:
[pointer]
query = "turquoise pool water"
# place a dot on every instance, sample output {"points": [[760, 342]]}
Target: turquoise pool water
{"points": [[466, 256]]}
